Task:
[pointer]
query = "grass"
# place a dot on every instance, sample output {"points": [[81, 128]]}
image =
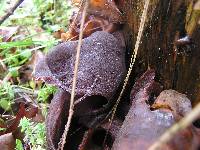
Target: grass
{"points": [[34, 134], [37, 20]]}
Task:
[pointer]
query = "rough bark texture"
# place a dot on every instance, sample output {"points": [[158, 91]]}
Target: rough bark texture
{"points": [[177, 67]]}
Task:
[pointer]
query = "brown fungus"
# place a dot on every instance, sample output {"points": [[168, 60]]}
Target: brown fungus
{"points": [[101, 68], [100, 73], [142, 127], [101, 137], [56, 118]]}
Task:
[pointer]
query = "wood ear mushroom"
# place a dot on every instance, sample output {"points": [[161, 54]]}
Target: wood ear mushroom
{"points": [[101, 71], [143, 126]]}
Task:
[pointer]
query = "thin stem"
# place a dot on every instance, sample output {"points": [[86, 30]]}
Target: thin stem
{"points": [[133, 57], [182, 124], [71, 109], [11, 11]]}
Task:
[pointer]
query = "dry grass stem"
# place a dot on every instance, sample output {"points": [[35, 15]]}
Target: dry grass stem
{"points": [[182, 124], [71, 109], [11, 11], [133, 57]]}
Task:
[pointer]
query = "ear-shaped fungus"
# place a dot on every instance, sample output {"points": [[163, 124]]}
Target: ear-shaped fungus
{"points": [[56, 118], [142, 127], [101, 70]]}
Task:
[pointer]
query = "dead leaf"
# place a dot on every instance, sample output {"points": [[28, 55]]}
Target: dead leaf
{"points": [[7, 142], [8, 32]]}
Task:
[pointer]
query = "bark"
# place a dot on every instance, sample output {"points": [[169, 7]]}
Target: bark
{"points": [[177, 65]]}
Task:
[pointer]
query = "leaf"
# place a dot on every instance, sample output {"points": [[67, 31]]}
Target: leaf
{"points": [[34, 133], [22, 112], [45, 92], [7, 45], [7, 142], [2, 129], [143, 126], [19, 145], [5, 104], [14, 71], [7, 32]]}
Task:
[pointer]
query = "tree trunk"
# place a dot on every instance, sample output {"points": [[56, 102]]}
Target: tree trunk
{"points": [[177, 65]]}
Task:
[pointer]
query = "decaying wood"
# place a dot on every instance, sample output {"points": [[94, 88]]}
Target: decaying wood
{"points": [[177, 67]]}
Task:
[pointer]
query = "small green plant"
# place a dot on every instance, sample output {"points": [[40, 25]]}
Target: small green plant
{"points": [[19, 145], [53, 14], [6, 95], [37, 20], [34, 134], [45, 92], [2, 129]]}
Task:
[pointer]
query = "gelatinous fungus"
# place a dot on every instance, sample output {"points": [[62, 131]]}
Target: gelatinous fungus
{"points": [[142, 126], [56, 118], [100, 73], [101, 68]]}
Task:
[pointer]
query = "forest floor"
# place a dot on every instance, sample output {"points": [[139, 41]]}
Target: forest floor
{"points": [[24, 36]]}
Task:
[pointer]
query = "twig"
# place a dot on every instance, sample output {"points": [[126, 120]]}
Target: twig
{"points": [[71, 109], [182, 124], [11, 11], [3, 65], [133, 57]]}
